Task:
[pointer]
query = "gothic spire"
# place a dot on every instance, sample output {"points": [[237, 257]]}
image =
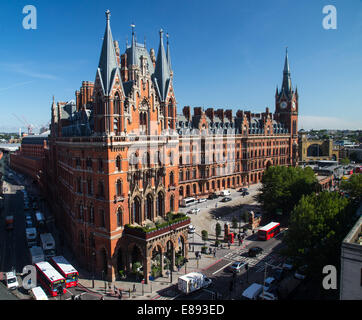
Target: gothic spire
{"points": [[133, 46], [168, 55], [108, 61], [287, 82], [162, 71]]}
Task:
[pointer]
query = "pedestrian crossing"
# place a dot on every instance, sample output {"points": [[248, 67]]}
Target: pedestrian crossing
{"points": [[258, 262]]}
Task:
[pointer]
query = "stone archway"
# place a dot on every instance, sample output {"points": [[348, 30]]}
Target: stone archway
{"points": [[169, 256], [156, 262]]}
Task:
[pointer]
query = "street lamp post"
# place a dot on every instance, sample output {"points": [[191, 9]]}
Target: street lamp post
{"points": [[93, 265]]}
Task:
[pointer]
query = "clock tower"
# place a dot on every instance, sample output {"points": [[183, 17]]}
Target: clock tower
{"points": [[286, 109]]}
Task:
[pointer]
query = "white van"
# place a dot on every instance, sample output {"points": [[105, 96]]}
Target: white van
{"points": [[225, 193], [253, 291], [11, 280], [38, 293]]}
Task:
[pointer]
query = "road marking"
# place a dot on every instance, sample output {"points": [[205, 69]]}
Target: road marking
{"points": [[223, 267], [211, 265]]}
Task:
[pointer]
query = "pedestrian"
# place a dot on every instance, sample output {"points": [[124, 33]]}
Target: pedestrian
{"points": [[120, 294], [210, 250], [102, 298], [134, 287], [229, 244], [214, 252]]}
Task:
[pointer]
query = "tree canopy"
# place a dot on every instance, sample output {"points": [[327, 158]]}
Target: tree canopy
{"points": [[317, 226], [283, 187], [353, 186]]}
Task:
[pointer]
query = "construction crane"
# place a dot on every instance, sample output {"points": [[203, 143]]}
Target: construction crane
{"points": [[26, 123]]}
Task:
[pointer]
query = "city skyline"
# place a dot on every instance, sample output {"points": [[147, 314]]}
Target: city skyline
{"points": [[323, 62]]}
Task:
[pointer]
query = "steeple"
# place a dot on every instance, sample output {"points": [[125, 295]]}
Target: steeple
{"points": [[287, 82], [108, 60], [133, 47], [168, 55], [162, 71]]}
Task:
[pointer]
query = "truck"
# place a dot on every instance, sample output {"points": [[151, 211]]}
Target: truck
{"points": [[11, 280], [9, 222], [31, 236], [193, 281], [36, 254], [48, 245]]}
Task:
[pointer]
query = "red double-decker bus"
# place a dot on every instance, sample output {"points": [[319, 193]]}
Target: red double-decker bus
{"points": [[50, 279], [269, 231], [66, 270]]}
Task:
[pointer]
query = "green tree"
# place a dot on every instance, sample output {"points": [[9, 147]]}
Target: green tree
{"points": [[344, 161], [283, 187], [234, 222], [204, 235], [218, 230], [353, 186], [317, 227]]}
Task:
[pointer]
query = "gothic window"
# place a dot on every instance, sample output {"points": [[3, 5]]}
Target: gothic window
{"points": [[119, 217], [91, 214], [172, 203], [117, 104], [181, 175], [119, 188], [171, 178], [118, 163], [126, 106], [100, 165]]}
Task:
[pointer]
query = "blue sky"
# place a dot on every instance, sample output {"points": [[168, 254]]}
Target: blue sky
{"points": [[227, 54]]}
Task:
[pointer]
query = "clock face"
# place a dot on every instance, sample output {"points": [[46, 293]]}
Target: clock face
{"points": [[293, 105], [283, 105]]}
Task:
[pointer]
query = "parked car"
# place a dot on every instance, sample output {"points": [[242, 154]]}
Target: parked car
{"points": [[243, 190], [191, 228], [267, 296], [194, 211], [226, 199], [301, 272], [237, 266], [255, 251], [213, 196], [288, 264], [245, 193], [278, 274], [270, 282], [202, 200], [29, 223]]}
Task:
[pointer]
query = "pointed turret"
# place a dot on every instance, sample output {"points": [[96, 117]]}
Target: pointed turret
{"points": [[108, 60], [287, 82], [168, 55], [132, 60], [162, 71]]}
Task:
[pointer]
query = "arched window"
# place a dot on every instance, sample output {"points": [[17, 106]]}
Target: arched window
{"points": [[118, 163], [119, 188], [172, 203], [117, 104], [171, 178], [119, 217]]}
